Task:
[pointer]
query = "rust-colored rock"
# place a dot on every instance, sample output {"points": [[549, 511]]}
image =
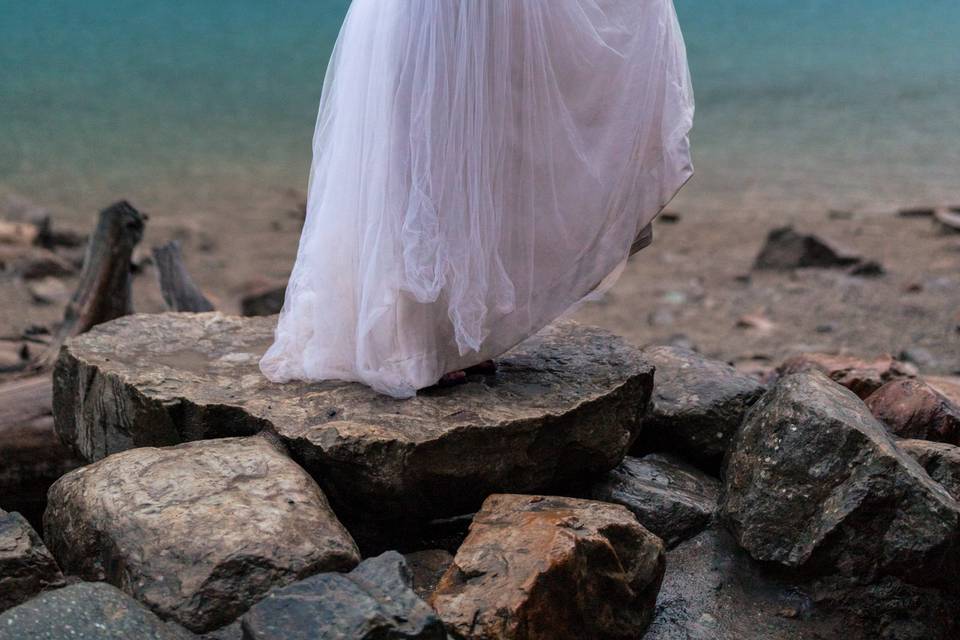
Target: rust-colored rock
{"points": [[912, 408], [863, 377], [548, 567]]}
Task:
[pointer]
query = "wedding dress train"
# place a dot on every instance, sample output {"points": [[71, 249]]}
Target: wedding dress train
{"points": [[479, 168]]}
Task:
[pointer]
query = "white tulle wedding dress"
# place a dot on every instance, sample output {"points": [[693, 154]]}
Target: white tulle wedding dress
{"points": [[480, 166]]}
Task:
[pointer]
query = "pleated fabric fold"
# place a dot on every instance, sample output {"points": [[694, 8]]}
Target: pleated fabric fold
{"points": [[479, 168]]}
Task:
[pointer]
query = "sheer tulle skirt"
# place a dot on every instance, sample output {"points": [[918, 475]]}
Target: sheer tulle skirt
{"points": [[479, 168]]}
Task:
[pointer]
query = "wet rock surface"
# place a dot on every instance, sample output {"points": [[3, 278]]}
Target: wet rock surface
{"points": [[813, 480], [85, 611], [26, 566], [197, 532], [862, 376], [564, 404], [815, 483], [940, 460], [375, 601], [672, 499], [549, 567], [697, 405], [914, 409], [713, 590]]}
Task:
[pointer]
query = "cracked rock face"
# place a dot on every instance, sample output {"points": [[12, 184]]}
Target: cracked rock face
{"points": [[197, 532], [375, 601], [563, 405], [697, 405], [86, 611], [550, 567], [814, 481], [669, 497], [26, 567]]}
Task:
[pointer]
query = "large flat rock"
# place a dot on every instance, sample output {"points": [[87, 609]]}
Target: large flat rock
{"points": [[564, 404], [198, 532]]}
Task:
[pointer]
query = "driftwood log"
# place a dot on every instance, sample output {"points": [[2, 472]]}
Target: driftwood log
{"points": [[104, 291], [177, 287], [31, 454]]}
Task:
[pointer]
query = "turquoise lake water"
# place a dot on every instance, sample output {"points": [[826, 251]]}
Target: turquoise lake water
{"points": [[801, 103]]}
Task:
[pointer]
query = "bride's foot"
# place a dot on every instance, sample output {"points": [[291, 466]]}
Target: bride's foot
{"points": [[455, 378]]}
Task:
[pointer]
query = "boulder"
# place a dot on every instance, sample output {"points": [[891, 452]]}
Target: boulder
{"points": [[86, 611], [814, 481], [697, 405], [911, 408], [787, 249], [26, 567], [713, 590], [669, 497], [941, 462], [863, 377], [564, 404], [375, 601], [197, 532], [547, 567]]}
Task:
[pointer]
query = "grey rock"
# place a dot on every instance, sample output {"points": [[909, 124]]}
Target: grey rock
{"points": [[669, 497], [26, 567], [713, 590], [940, 460], [85, 611], [550, 567], [813, 481], [197, 532], [697, 405], [787, 249], [565, 403], [375, 601]]}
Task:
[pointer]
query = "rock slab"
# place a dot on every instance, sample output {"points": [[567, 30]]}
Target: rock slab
{"points": [[375, 601], [672, 499], [549, 567], [813, 480], [697, 405], [197, 532], [563, 404], [26, 566], [85, 611]]}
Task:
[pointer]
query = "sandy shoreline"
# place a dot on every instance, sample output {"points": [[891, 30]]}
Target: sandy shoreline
{"points": [[693, 285]]}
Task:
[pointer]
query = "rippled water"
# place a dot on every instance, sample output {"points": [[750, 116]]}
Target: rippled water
{"points": [[801, 103]]}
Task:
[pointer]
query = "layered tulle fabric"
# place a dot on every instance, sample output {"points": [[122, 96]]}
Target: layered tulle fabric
{"points": [[479, 167]]}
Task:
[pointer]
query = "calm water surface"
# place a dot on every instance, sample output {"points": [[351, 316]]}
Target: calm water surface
{"points": [[801, 103]]}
